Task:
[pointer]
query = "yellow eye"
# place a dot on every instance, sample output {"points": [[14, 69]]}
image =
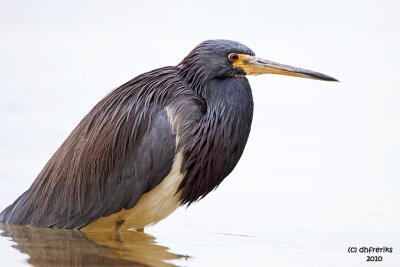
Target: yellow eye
{"points": [[233, 57]]}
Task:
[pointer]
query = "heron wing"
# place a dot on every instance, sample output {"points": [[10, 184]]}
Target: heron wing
{"points": [[122, 149], [145, 165], [144, 168]]}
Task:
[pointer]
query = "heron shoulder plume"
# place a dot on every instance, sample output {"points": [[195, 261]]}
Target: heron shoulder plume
{"points": [[165, 138]]}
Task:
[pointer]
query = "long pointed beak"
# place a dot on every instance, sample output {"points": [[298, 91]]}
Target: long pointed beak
{"points": [[257, 66]]}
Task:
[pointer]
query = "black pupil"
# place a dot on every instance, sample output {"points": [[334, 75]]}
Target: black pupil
{"points": [[234, 57]]}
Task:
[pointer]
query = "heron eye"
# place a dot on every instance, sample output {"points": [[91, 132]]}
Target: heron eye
{"points": [[233, 57]]}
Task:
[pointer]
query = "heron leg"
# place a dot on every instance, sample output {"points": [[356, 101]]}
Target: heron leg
{"points": [[118, 225]]}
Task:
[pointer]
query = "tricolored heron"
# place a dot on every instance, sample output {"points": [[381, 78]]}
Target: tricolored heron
{"points": [[163, 139]]}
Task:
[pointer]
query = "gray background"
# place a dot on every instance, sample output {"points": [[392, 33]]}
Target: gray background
{"points": [[321, 169]]}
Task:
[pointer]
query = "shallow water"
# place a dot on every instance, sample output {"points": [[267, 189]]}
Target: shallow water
{"points": [[55, 247]]}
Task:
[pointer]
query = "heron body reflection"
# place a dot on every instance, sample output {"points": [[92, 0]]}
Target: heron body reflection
{"points": [[60, 247]]}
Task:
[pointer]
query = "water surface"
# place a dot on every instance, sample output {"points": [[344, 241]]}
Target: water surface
{"points": [[321, 168]]}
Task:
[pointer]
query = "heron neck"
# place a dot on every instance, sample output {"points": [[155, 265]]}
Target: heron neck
{"points": [[218, 140], [228, 100], [230, 110]]}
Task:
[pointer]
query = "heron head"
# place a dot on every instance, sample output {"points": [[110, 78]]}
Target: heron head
{"points": [[225, 58]]}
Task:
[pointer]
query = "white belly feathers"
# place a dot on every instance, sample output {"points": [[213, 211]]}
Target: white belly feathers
{"points": [[151, 208]]}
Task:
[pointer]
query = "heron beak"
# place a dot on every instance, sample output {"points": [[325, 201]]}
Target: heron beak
{"points": [[256, 66]]}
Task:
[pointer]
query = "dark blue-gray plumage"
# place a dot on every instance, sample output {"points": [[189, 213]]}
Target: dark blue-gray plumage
{"points": [[125, 147]]}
